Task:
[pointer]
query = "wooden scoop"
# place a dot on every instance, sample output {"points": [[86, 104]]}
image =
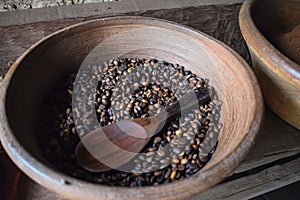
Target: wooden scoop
{"points": [[112, 146]]}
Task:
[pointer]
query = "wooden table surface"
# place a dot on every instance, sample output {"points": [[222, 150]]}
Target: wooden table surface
{"points": [[274, 161]]}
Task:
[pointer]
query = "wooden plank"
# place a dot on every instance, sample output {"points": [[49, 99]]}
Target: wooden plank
{"points": [[248, 165], [220, 21], [276, 140], [29, 190], [245, 187], [9, 176], [290, 192], [96, 9], [254, 185]]}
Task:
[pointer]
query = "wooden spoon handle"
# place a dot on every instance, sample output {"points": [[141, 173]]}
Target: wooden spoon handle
{"points": [[190, 100]]}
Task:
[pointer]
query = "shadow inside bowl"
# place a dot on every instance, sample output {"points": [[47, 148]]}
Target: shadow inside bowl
{"points": [[279, 22]]}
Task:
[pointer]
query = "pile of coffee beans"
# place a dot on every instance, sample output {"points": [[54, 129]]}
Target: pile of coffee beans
{"points": [[132, 88]]}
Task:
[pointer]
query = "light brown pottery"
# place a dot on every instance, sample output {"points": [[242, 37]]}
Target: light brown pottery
{"points": [[42, 65], [262, 22]]}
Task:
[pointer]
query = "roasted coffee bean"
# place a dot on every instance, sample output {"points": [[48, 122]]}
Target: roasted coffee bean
{"points": [[129, 88]]}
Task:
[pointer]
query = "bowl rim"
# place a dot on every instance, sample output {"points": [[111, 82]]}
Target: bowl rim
{"points": [[276, 61], [78, 189]]}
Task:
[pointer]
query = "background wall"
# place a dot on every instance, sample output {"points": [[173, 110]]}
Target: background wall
{"points": [[7, 5]]}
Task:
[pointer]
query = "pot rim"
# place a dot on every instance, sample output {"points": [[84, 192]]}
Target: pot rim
{"points": [[78, 189]]}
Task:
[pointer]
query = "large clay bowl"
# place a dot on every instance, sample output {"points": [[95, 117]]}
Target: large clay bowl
{"points": [[41, 66], [262, 23]]}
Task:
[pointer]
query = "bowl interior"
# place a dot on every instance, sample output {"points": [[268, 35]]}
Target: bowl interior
{"points": [[276, 17], [62, 53]]}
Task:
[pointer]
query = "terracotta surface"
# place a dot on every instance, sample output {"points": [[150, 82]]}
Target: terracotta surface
{"points": [[278, 75], [62, 52]]}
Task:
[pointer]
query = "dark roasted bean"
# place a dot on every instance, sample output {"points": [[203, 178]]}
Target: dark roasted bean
{"points": [[129, 88]]}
